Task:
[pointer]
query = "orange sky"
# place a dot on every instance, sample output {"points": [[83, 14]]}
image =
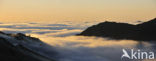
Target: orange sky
{"points": [[76, 10]]}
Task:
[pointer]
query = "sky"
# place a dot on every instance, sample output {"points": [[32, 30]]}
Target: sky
{"points": [[76, 10], [56, 22]]}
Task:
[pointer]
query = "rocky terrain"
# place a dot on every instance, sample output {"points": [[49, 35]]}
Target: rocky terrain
{"points": [[19, 47], [144, 31]]}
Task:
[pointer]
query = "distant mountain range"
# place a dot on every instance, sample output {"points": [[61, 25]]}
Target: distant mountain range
{"points": [[143, 32]]}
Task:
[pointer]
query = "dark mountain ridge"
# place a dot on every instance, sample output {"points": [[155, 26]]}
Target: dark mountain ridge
{"points": [[144, 31], [18, 47]]}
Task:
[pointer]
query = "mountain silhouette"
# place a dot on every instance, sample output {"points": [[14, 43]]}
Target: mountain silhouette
{"points": [[14, 47], [144, 31]]}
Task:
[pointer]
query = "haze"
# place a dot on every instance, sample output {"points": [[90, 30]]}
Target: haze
{"points": [[76, 10]]}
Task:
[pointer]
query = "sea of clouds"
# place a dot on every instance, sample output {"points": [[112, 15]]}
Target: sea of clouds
{"points": [[76, 48]]}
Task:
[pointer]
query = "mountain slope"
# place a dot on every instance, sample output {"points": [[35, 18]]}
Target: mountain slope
{"points": [[143, 31], [19, 47]]}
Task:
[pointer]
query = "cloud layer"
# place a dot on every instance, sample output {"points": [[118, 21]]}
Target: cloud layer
{"points": [[76, 48]]}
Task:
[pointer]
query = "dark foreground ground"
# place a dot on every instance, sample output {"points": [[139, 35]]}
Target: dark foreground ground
{"points": [[13, 52]]}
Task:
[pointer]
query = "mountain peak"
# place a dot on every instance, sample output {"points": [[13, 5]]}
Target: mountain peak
{"points": [[151, 22], [143, 31]]}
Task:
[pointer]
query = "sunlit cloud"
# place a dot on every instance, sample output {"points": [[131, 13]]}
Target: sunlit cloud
{"points": [[71, 47]]}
